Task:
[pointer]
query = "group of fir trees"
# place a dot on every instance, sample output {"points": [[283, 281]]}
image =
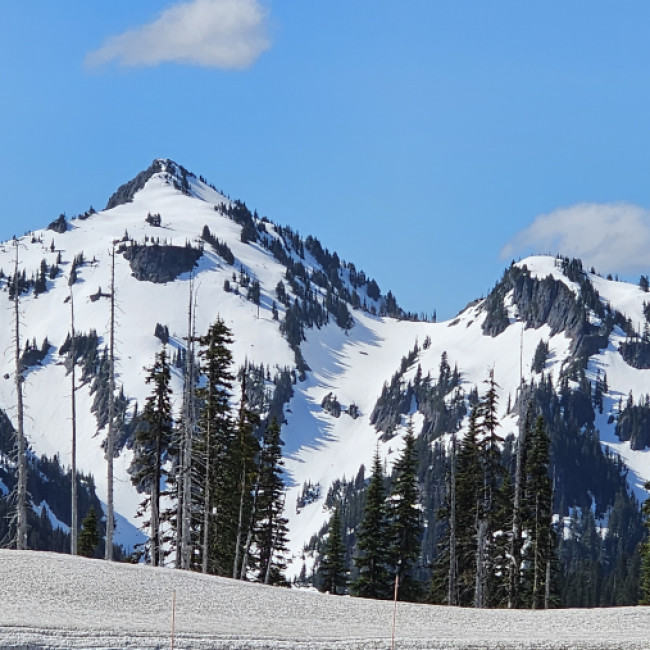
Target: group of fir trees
{"points": [[498, 546], [498, 549], [212, 482], [388, 544]]}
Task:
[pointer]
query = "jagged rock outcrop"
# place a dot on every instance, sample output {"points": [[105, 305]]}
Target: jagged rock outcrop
{"points": [[549, 301], [59, 225], [126, 192], [160, 263]]}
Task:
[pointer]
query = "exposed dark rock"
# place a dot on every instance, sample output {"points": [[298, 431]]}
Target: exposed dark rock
{"points": [[160, 263], [126, 192], [549, 301], [59, 225]]}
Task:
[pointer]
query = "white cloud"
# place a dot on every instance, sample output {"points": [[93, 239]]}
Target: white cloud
{"points": [[612, 237], [211, 33]]}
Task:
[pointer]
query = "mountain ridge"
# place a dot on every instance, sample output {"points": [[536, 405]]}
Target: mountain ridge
{"points": [[292, 307]]}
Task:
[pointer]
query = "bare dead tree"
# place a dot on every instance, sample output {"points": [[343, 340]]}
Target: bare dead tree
{"points": [[21, 447]]}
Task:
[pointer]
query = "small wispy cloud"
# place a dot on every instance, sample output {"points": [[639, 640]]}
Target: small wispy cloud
{"points": [[612, 237], [229, 34]]}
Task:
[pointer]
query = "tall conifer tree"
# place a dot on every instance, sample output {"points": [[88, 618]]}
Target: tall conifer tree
{"points": [[405, 529], [153, 439], [372, 552], [539, 497], [217, 477], [645, 552], [333, 569], [272, 525]]}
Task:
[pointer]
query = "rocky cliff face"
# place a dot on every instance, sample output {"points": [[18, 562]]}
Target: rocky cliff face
{"points": [[160, 263]]}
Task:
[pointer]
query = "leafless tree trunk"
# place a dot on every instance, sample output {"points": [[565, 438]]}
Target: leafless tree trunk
{"points": [[73, 399], [452, 595], [110, 437], [21, 488], [242, 484], [515, 541], [183, 512], [249, 534], [481, 569], [207, 495]]}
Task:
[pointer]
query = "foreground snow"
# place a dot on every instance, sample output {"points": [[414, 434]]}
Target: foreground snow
{"points": [[56, 601]]}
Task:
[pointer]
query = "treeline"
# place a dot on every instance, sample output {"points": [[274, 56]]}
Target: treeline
{"points": [[544, 520], [212, 481], [48, 485]]}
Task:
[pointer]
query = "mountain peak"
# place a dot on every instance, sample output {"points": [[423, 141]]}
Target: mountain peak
{"points": [[179, 176]]}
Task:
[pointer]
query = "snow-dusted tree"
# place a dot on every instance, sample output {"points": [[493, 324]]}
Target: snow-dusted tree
{"points": [[516, 537], [153, 438], [489, 506]]}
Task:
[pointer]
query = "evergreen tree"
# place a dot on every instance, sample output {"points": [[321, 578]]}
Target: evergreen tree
{"points": [[153, 438], [468, 486], [537, 518], [216, 490], [271, 528], [405, 530], [89, 535], [489, 505], [333, 569], [245, 453], [645, 553], [372, 550]]}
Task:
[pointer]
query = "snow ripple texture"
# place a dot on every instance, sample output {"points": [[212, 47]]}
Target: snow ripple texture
{"points": [[57, 601]]}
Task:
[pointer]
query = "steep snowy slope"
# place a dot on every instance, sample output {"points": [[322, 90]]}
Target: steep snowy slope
{"points": [[352, 363]]}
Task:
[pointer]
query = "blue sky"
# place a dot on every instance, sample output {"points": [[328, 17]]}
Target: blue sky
{"points": [[427, 141]]}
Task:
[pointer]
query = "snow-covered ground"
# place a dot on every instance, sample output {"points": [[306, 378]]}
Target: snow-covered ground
{"points": [[57, 601]]}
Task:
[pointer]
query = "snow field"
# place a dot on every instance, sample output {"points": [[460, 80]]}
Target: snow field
{"points": [[58, 601]]}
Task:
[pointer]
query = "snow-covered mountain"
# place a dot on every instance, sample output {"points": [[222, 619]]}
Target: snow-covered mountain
{"points": [[354, 357]]}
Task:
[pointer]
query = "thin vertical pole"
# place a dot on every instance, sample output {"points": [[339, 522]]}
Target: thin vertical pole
{"points": [[392, 640], [173, 617]]}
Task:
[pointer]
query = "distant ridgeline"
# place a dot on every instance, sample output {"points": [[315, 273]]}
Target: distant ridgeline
{"points": [[592, 553], [49, 489]]}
